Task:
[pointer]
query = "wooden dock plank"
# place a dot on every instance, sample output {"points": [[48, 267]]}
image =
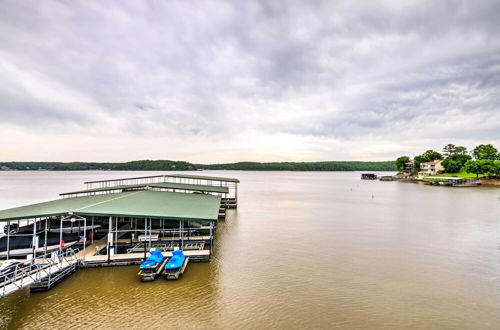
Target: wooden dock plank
{"points": [[133, 256], [186, 239]]}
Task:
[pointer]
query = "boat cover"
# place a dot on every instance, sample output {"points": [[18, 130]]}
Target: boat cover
{"points": [[155, 258], [16, 241], [176, 261]]}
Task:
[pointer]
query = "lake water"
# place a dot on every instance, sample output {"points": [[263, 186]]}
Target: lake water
{"points": [[303, 250]]}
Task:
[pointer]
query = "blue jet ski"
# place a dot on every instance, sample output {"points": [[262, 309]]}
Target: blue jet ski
{"points": [[176, 261], [153, 261]]}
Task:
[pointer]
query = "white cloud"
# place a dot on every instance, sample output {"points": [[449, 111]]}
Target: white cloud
{"points": [[223, 81]]}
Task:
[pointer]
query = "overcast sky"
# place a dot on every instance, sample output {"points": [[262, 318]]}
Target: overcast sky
{"points": [[220, 81]]}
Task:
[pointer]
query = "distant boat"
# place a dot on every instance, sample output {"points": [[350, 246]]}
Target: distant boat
{"points": [[54, 228], [71, 230], [176, 261], [368, 176], [7, 267], [22, 245]]}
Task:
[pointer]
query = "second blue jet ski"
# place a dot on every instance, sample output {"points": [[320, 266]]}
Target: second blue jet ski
{"points": [[176, 265], [176, 261]]}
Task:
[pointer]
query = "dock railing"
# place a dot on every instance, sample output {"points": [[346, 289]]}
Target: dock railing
{"points": [[41, 268]]}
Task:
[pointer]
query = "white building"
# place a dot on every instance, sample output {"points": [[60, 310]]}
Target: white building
{"points": [[430, 168]]}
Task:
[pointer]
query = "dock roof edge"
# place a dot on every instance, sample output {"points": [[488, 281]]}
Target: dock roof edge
{"points": [[186, 176], [165, 185], [144, 203]]}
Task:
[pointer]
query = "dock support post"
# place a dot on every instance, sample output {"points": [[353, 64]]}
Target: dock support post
{"points": [[110, 233], [84, 238], [236, 193], [211, 241], [145, 233], [46, 229], [115, 228], [8, 239], [150, 232], [182, 241], [33, 240], [60, 235]]}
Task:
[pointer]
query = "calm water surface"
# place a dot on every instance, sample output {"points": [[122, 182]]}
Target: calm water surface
{"points": [[303, 250]]}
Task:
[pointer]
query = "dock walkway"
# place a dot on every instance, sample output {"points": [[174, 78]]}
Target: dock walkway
{"points": [[47, 271], [135, 258]]}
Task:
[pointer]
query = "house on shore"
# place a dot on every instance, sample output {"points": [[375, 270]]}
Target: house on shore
{"points": [[409, 167], [430, 168]]}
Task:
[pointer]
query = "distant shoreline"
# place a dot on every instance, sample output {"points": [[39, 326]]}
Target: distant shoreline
{"points": [[169, 165], [198, 170]]}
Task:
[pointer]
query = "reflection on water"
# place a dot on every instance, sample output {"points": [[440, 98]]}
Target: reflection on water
{"points": [[303, 250]]}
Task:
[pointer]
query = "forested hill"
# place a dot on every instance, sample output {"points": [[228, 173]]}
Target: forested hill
{"points": [[139, 165], [169, 165], [304, 166]]}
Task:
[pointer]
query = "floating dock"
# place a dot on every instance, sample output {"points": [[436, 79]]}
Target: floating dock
{"points": [[148, 275], [176, 273]]}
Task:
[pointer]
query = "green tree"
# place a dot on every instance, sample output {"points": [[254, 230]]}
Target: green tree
{"points": [[456, 156], [460, 158], [487, 166], [497, 168], [448, 149], [427, 156], [485, 151], [431, 155], [451, 166], [460, 150], [483, 166], [473, 166], [451, 149], [400, 163]]}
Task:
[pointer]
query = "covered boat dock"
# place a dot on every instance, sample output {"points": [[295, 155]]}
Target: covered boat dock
{"points": [[124, 221], [189, 181], [451, 181], [118, 223]]}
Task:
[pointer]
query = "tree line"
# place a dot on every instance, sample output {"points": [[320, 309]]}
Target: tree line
{"points": [[304, 166], [169, 165], [483, 159], [139, 165]]}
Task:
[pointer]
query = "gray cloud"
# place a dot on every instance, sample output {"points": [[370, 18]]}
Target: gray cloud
{"points": [[331, 71]]}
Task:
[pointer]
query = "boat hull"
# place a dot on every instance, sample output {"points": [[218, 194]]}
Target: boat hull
{"points": [[27, 251], [22, 244]]}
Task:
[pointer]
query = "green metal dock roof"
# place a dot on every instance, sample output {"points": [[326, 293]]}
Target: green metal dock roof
{"points": [[185, 176], [165, 185], [144, 203]]}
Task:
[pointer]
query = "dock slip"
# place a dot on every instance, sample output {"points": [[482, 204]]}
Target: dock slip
{"points": [[117, 223], [153, 266]]}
